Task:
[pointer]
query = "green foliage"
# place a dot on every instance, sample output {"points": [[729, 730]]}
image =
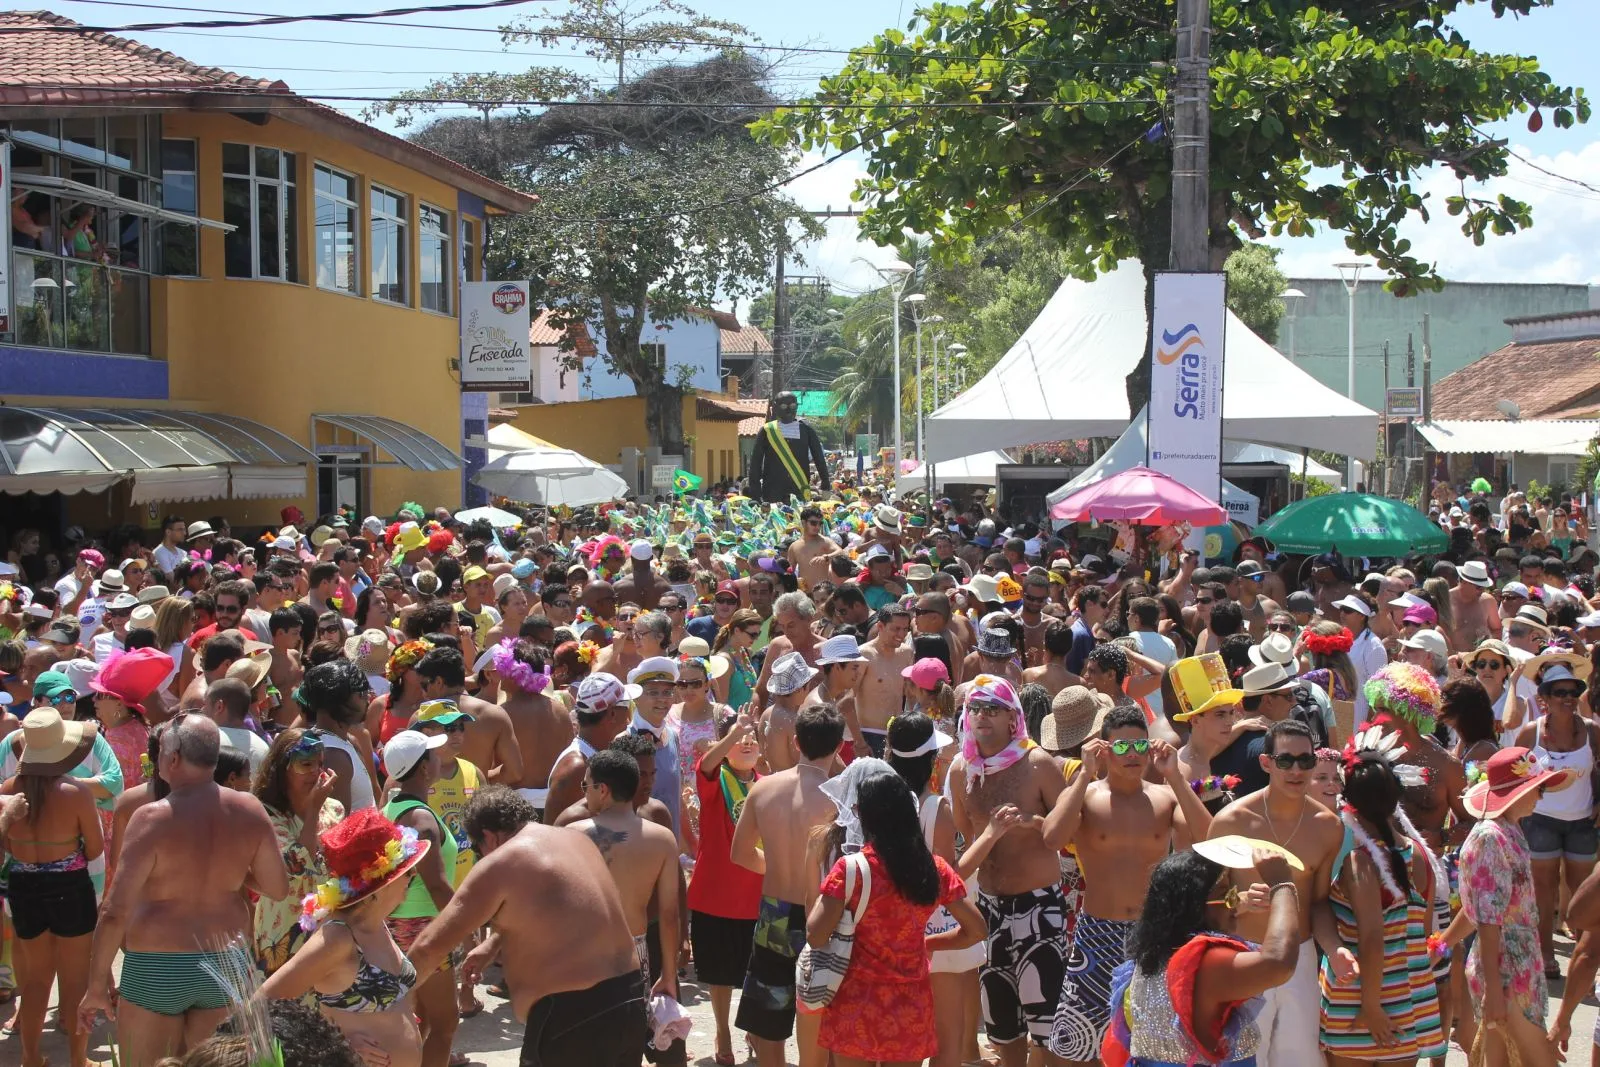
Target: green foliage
{"points": [[1255, 287], [1044, 110], [813, 341], [645, 212], [1313, 486], [1588, 468]]}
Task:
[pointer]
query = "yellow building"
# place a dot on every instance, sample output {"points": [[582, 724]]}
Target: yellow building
{"points": [[220, 291]]}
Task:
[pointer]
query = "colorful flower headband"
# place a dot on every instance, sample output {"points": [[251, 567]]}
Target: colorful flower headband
{"points": [[1330, 644], [587, 651], [1375, 741], [405, 657], [507, 665], [333, 894], [1214, 784]]}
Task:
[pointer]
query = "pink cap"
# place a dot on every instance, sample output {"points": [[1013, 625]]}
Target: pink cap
{"points": [[927, 673], [92, 557], [1422, 613]]}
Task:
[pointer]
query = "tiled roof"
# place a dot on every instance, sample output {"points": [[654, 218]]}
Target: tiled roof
{"points": [[1546, 379], [542, 332], [750, 414], [58, 66], [745, 341]]}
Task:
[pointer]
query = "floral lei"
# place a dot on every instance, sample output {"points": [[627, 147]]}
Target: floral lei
{"points": [[336, 892], [1330, 644], [507, 665], [1212, 783]]}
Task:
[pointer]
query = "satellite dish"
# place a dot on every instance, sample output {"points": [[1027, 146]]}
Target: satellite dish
{"points": [[1508, 408]]}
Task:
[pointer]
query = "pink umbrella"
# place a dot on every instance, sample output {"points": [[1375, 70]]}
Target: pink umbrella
{"points": [[1139, 495]]}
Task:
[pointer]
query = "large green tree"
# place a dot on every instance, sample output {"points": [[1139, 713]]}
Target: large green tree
{"points": [[1323, 112], [655, 200], [1255, 289]]}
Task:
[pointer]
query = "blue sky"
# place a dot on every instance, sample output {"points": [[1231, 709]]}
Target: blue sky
{"points": [[363, 59]]}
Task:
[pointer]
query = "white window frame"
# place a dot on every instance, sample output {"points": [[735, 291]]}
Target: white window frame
{"points": [[194, 143], [374, 190], [317, 195], [284, 181], [447, 259]]}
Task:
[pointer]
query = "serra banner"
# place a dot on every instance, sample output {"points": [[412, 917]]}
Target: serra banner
{"points": [[1187, 332]]}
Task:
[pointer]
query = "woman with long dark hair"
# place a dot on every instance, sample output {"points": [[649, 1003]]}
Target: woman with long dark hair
{"points": [[1186, 978], [51, 895], [1382, 899], [1465, 707], [883, 1011]]}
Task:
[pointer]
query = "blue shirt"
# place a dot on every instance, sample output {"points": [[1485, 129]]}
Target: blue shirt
{"points": [[1082, 644]]}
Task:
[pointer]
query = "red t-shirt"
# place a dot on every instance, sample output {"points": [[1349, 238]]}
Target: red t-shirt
{"points": [[198, 638], [720, 886]]}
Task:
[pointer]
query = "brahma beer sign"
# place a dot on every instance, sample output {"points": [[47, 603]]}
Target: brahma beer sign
{"points": [[495, 353], [1186, 339]]}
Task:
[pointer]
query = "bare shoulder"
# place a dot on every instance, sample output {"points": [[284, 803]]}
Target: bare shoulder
{"points": [[659, 836], [1236, 816], [656, 812], [1327, 827]]}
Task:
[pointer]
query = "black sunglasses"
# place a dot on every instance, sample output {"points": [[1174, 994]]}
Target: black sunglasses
{"points": [[1305, 761], [1202, 600]]}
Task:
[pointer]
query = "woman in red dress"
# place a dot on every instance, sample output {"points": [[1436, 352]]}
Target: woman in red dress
{"points": [[883, 1011]]}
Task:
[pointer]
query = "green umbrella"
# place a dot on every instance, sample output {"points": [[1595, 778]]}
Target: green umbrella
{"points": [[1352, 524]]}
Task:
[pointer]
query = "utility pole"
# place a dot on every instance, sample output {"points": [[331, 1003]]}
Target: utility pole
{"points": [[1427, 372], [1388, 460], [1191, 139], [780, 310]]}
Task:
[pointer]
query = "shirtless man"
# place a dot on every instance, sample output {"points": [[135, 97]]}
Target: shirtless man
{"points": [[1122, 827], [286, 670], [491, 742], [185, 863], [792, 616], [790, 683], [602, 712], [1020, 879], [600, 598], [1472, 607], [1052, 671], [812, 552], [771, 838], [1035, 595], [642, 856], [576, 982], [843, 664], [219, 652], [541, 726], [1247, 589], [934, 615], [639, 584], [881, 691], [1284, 813], [622, 654]]}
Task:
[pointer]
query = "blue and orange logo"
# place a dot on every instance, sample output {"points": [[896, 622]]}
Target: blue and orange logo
{"points": [[1178, 343]]}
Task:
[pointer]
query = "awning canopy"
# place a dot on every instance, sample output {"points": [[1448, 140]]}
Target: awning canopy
{"points": [[1064, 378], [169, 455], [1547, 437], [410, 447]]}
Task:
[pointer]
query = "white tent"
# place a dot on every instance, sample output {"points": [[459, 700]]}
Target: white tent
{"points": [[1064, 379], [968, 470]]}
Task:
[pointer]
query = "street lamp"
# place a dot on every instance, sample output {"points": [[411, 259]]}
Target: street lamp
{"points": [[957, 354], [900, 271], [1291, 307], [1350, 275], [916, 300], [938, 339]]}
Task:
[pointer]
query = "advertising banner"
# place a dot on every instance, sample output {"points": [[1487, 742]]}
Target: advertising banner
{"points": [[1186, 346], [495, 354]]}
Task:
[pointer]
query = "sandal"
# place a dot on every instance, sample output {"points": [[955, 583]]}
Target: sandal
{"points": [[723, 1059], [459, 1059], [1552, 969], [475, 1007]]}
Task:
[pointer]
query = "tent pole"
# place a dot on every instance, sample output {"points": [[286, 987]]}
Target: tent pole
{"points": [[1305, 466]]}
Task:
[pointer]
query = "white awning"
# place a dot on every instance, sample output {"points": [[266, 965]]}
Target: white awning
{"points": [[178, 484], [262, 483], [67, 484], [90, 194], [1540, 437]]}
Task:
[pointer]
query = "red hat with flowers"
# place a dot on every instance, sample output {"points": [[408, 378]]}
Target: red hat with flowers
{"points": [[363, 854], [1507, 777]]}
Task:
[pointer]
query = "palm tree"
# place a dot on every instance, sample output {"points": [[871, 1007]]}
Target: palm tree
{"points": [[864, 391]]}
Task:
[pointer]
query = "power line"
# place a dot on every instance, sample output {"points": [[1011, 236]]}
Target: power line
{"points": [[269, 19]]}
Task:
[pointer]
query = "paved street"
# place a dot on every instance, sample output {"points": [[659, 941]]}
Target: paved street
{"points": [[493, 1039]]}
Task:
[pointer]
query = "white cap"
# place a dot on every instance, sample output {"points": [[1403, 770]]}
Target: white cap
{"points": [[1408, 599], [1589, 621], [651, 667], [406, 749], [641, 549], [599, 691], [284, 543], [842, 648], [1432, 640]]}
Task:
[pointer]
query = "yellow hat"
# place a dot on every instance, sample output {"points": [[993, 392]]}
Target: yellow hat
{"points": [[473, 573], [1201, 685]]}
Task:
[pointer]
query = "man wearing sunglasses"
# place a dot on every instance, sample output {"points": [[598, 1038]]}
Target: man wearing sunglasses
{"points": [[812, 552], [1122, 826], [1285, 814]]}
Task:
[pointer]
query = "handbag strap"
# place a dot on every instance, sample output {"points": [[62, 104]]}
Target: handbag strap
{"points": [[850, 865]]}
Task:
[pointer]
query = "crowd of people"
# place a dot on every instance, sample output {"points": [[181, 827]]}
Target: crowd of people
{"points": [[893, 782]]}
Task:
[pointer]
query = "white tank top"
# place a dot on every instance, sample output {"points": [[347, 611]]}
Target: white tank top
{"points": [[1576, 801], [360, 774]]}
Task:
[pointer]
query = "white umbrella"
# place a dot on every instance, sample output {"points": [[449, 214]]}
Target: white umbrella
{"points": [[499, 518], [552, 477]]}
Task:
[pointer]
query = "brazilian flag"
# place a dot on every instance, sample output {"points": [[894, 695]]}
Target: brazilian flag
{"points": [[684, 482]]}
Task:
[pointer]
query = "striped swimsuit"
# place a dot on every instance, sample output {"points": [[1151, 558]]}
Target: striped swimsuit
{"points": [[1410, 995]]}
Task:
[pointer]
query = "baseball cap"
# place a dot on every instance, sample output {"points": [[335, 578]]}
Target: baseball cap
{"points": [[472, 574], [641, 550], [727, 587], [443, 712], [1301, 602], [1354, 604], [599, 691], [406, 749], [52, 685]]}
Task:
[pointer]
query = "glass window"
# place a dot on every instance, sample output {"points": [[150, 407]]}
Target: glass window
{"points": [[180, 244], [434, 258], [469, 251], [336, 245], [125, 140], [42, 132], [389, 246], [84, 138], [259, 197]]}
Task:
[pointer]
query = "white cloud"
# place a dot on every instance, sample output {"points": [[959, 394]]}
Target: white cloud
{"points": [[1563, 245], [842, 256]]}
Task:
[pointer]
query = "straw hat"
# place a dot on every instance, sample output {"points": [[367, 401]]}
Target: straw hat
{"points": [[1075, 715], [369, 650], [1509, 775], [251, 670], [1577, 664], [51, 744]]}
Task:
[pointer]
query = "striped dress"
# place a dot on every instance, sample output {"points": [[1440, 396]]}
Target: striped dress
{"points": [[1410, 997]]}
